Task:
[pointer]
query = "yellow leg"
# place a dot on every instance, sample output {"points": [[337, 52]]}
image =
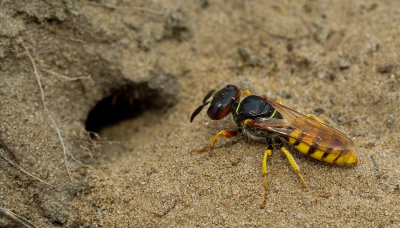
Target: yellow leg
{"points": [[267, 153], [294, 166], [315, 118], [280, 102], [225, 133]]}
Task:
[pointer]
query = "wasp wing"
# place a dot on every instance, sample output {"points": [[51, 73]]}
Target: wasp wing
{"points": [[307, 130]]}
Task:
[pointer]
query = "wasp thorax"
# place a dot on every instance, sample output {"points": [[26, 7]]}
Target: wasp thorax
{"points": [[222, 101], [253, 107]]}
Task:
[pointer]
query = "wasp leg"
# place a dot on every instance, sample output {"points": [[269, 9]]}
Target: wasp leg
{"points": [[294, 166], [280, 102], [315, 118], [225, 133], [267, 153]]}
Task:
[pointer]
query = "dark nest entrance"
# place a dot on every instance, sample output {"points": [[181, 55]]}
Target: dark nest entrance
{"points": [[126, 102]]}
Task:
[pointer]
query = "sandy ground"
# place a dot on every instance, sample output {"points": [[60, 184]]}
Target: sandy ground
{"points": [[156, 60]]}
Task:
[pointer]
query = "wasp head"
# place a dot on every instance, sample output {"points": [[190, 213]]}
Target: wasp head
{"points": [[220, 104]]}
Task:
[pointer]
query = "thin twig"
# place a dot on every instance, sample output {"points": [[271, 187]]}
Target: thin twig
{"points": [[66, 77], [16, 166], [378, 174], [37, 75], [167, 211], [350, 120], [76, 40], [113, 7], [17, 218], [148, 10]]}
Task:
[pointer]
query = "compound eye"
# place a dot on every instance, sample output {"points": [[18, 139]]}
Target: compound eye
{"points": [[222, 101], [217, 111]]}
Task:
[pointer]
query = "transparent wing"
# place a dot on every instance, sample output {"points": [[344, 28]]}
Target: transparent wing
{"points": [[309, 130]]}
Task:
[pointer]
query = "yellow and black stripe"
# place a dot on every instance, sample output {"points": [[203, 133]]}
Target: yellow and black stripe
{"points": [[325, 151]]}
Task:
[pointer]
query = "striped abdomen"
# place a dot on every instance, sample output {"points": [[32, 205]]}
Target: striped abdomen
{"points": [[331, 148]]}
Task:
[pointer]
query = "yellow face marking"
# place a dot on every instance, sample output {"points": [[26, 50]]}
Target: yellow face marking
{"points": [[303, 148], [317, 154]]}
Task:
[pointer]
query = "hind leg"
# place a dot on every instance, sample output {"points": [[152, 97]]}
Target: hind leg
{"points": [[294, 166]]}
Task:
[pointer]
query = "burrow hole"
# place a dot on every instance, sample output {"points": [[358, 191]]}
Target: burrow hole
{"points": [[125, 102]]}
